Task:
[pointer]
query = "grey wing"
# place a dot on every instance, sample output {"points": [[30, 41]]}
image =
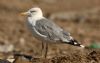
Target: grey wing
{"points": [[51, 30]]}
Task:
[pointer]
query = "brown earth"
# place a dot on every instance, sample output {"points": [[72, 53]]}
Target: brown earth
{"points": [[13, 30]]}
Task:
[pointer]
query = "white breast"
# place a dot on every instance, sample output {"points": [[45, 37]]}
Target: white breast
{"points": [[31, 24], [32, 21]]}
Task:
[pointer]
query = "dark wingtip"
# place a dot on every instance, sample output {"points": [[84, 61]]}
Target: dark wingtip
{"points": [[75, 43]]}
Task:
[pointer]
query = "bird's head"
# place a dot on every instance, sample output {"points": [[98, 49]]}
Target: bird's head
{"points": [[33, 12]]}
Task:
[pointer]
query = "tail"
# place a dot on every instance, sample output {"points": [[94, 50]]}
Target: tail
{"points": [[75, 43], [70, 40]]}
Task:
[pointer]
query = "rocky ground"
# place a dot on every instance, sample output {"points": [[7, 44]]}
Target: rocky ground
{"points": [[80, 18]]}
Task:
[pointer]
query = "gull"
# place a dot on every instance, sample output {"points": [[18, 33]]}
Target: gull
{"points": [[46, 30]]}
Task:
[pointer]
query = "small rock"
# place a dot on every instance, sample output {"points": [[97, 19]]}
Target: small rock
{"points": [[4, 61], [6, 47], [21, 58]]}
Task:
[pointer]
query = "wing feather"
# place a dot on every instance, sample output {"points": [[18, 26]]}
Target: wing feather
{"points": [[51, 30]]}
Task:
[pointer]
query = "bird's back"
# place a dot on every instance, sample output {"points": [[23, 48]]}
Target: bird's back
{"points": [[48, 30]]}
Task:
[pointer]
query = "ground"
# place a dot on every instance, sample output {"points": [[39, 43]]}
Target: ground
{"points": [[14, 31]]}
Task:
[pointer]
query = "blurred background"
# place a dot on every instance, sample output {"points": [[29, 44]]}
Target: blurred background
{"points": [[79, 17]]}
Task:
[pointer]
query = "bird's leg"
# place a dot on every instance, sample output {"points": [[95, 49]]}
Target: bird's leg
{"points": [[42, 49], [46, 50]]}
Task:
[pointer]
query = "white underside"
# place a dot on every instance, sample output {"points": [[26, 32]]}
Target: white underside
{"points": [[32, 20]]}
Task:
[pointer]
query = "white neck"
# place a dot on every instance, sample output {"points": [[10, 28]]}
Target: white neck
{"points": [[32, 20]]}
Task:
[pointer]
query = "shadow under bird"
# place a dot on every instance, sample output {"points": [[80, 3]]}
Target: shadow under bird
{"points": [[46, 30]]}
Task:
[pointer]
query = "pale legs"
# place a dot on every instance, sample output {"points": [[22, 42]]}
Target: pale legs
{"points": [[44, 49]]}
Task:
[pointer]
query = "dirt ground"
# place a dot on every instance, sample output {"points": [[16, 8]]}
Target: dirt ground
{"points": [[16, 38]]}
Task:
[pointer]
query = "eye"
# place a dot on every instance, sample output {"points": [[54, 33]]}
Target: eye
{"points": [[32, 11]]}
